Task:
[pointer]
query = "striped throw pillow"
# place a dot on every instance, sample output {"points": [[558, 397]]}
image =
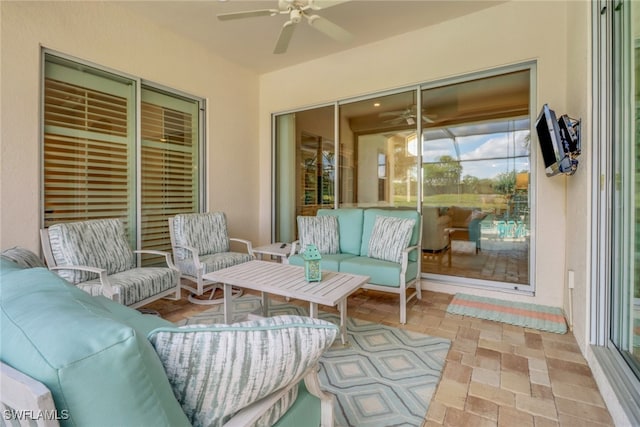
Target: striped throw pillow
{"points": [[321, 231], [389, 237], [23, 257], [216, 370]]}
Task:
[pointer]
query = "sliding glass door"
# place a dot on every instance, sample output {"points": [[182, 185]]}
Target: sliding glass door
{"points": [[476, 175], [625, 268], [458, 151]]}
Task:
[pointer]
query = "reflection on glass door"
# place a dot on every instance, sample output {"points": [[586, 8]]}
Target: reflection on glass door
{"points": [[316, 173], [475, 177], [379, 152], [304, 167]]}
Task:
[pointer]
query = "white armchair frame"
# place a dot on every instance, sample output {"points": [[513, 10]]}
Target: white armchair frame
{"points": [[22, 397], [108, 289]]}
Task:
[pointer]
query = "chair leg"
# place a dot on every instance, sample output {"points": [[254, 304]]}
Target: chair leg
{"points": [[403, 307], [212, 300]]}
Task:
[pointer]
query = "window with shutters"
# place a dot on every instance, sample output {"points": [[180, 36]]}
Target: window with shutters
{"points": [[96, 165]]}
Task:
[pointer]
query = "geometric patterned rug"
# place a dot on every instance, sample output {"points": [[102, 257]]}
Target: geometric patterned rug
{"points": [[384, 376], [527, 315]]}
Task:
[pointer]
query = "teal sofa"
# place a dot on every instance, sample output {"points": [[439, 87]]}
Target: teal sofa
{"points": [[101, 361], [355, 226]]}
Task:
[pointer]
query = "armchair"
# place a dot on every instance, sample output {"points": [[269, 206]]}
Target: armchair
{"points": [[435, 238], [201, 244], [95, 256]]}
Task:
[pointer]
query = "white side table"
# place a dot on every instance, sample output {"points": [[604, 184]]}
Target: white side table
{"points": [[277, 250]]}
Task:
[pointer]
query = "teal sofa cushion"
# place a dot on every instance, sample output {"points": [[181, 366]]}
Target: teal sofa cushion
{"points": [[349, 228], [369, 221], [385, 273], [328, 262], [305, 411], [92, 353], [7, 266]]}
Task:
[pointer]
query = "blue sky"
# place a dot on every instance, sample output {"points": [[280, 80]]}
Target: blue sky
{"points": [[481, 154]]}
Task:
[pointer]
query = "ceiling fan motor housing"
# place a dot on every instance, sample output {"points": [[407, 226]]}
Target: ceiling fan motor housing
{"points": [[288, 5]]}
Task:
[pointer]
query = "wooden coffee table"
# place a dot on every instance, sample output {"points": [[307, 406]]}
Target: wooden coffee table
{"points": [[288, 281]]}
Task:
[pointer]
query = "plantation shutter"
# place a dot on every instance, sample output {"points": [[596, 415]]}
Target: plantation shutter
{"points": [[96, 164], [89, 145], [169, 174]]}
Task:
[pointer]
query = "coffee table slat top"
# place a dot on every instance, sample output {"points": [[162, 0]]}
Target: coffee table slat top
{"points": [[289, 281]]}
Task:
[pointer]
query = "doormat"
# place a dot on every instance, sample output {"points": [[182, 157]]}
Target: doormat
{"points": [[523, 314], [383, 376]]}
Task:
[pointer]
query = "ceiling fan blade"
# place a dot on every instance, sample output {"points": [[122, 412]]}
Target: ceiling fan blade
{"points": [[247, 14], [323, 4], [391, 113], [329, 28], [285, 37]]}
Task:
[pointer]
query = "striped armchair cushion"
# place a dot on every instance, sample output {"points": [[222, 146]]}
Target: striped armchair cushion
{"points": [[206, 232], [98, 243], [136, 284], [321, 231], [217, 370], [213, 262], [389, 237]]}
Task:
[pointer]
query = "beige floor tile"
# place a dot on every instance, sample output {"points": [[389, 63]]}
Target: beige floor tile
{"points": [[459, 418], [515, 363], [482, 408], [515, 382], [539, 377], [580, 394], [457, 372], [436, 412], [451, 394], [493, 394], [583, 410], [495, 345], [535, 406], [511, 417], [486, 376]]}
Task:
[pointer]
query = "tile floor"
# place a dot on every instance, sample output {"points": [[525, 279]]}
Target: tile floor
{"points": [[495, 375]]}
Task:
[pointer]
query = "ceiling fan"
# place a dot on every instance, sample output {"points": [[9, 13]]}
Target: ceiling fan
{"points": [[296, 9], [408, 116]]}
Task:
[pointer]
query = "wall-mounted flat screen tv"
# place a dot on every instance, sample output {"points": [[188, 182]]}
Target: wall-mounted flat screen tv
{"points": [[559, 142]]}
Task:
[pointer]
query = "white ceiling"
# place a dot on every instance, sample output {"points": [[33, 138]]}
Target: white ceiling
{"points": [[250, 41]]}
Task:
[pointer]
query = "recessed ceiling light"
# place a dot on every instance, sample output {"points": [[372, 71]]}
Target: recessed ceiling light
{"points": [[376, 104]]}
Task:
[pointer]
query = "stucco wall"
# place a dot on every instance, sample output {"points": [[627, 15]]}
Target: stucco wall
{"points": [[509, 33], [107, 35]]}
